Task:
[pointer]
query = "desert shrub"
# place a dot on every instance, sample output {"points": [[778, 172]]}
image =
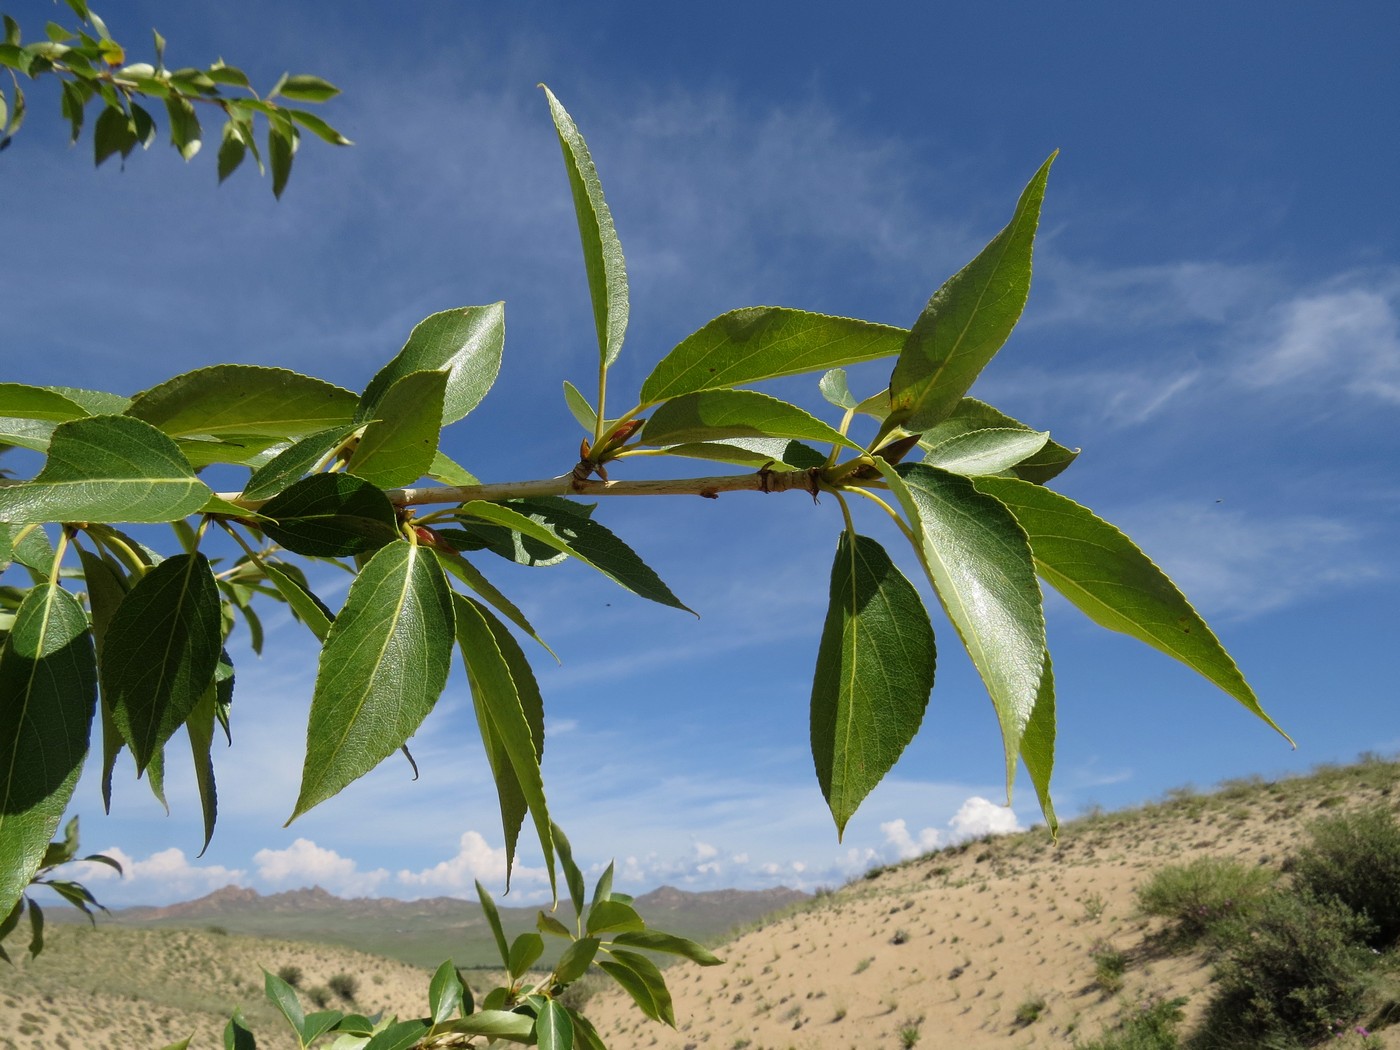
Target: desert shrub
{"points": [[320, 995], [1199, 896], [1355, 857], [290, 974], [1293, 971], [344, 986], [1028, 1013], [1109, 966], [1150, 1025]]}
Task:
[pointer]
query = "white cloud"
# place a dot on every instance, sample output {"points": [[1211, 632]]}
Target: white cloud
{"points": [[475, 860], [304, 863], [977, 817], [166, 875], [906, 846], [704, 851]]}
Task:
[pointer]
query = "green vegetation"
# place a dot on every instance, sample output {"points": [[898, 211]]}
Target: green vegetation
{"points": [[1029, 1010], [1109, 967], [1150, 1025], [1199, 896], [1355, 858]]}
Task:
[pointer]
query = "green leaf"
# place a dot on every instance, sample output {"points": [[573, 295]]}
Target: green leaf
{"points": [[160, 652], [200, 727], [874, 672], [382, 668], [1038, 746], [466, 343], [1115, 584], [572, 875], [510, 713], [552, 926], [613, 916], [232, 149], [292, 463], [524, 950], [237, 1034], [979, 562], [836, 390], [330, 516], [716, 415], [96, 402], [319, 1023], [579, 407], [48, 691], [602, 252], [303, 88], [640, 979], [318, 127], [980, 452], [106, 585], [280, 148], [309, 609], [28, 414], [243, 400], [36, 926], [445, 470], [470, 575], [580, 537], [398, 447], [602, 889], [753, 452], [115, 132], [493, 919], [281, 995], [656, 941], [972, 415], [444, 993], [184, 125], [502, 1024], [553, 1028], [763, 342], [107, 468], [575, 960], [220, 73], [586, 1037], [967, 320], [400, 1036]]}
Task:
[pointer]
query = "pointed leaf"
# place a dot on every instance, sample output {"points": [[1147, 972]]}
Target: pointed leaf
{"points": [[200, 727], [505, 692], [160, 652], [553, 1028], [48, 691], [552, 926], [106, 586], [232, 149], [874, 671], [979, 562], [602, 253], [656, 941], [641, 980], [753, 452], [466, 343], [107, 468], [309, 609], [524, 950], [237, 1034], [1112, 582], [243, 400], [967, 320], [331, 516], [602, 890], [96, 402], [444, 993], [583, 538], [763, 342], [281, 995], [572, 875], [382, 668], [979, 452], [303, 88], [400, 1036], [470, 575], [575, 960], [613, 916], [184, 126], [714, 415], [318, 127], [292, 463], [281, 146], [399, 445], [1038, 746], [493, 919], [579, 407], [972, 415], [502, 1024], [443, 469]]}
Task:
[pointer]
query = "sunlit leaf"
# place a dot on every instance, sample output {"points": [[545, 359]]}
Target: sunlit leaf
{"points": [[238, 400], [292, 463], [399, 445], [718, 415]]}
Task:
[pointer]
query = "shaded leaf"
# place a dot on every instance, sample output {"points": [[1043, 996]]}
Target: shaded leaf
{"points": [[444, 993], [110, 469], [524, 950], [502, 1024], [1038, 746], [493, 919], [640, 979], [280, 149], [572, 876], [602, 252], [318, 127], [470, 575], [553, 1028], [763, 342], [716, 415], [200, 727], [309, 609], [656, 941], [979, 562], [331, 516], [301, 87], [184, 125], [968, 319], [160, 652], [384, 664], [292, 463], [575, 959], [466, 342], [48, 691], [874, 672]]}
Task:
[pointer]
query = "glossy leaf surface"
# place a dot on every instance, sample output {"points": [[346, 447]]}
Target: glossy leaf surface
{"points": [[243, 399], [874, 671], [971, 415], [384, 664], [967, 320], [763, 342], [979, 452], [716, 415]]}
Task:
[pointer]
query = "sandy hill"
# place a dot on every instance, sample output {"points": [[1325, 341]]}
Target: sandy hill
{"points": [[947, 950]]}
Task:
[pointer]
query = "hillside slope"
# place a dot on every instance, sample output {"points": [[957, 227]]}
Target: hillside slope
{"points": [[987, 944]]}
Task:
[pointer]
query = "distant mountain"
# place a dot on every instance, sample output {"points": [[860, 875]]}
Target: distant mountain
{"points": [[424, 932]]}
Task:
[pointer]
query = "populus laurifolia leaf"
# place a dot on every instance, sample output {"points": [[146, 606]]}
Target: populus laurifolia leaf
{"points": [[331, 516], [1103, 573], [972, 415], [296, 460], [239, 400], [466, 343], [28, 414], [107, 468], [399, 445], [160, 651], [979, 452], [716, 415], [384, 664], [48, 691], [979, 562], [874, 672], [967, 320], [602, 252], [763, 342]]}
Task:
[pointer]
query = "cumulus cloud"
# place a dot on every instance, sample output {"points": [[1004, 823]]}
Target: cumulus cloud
{"points": [[475, 860], [165, 875], [304, 863], [977, 817], [905, 844]]}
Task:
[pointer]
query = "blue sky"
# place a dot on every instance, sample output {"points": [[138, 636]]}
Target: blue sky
{"points": [[1215, 319]]}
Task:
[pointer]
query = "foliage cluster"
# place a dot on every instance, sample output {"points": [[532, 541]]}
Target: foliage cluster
{"points": [[1355, 858], [128, 631], [1197, 897], [1149, 1025]]}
